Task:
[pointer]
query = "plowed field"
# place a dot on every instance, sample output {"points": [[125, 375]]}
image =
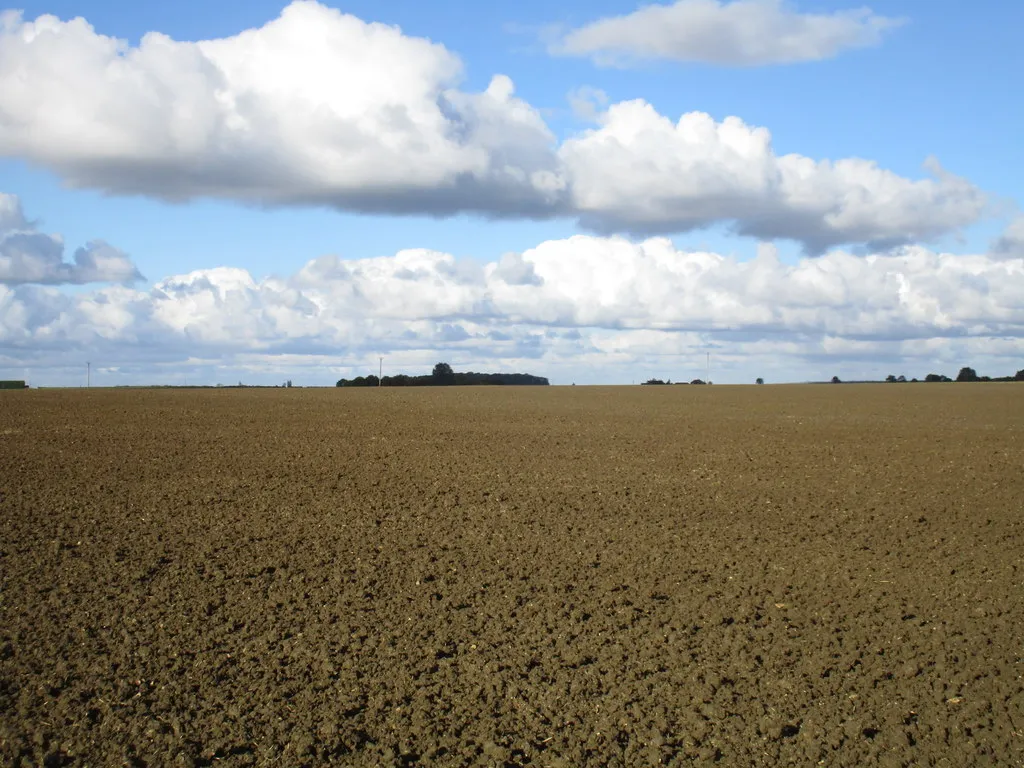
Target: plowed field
{"points": [[780, 575]]}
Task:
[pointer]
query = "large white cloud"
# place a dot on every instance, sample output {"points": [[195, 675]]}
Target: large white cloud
{"points": [[583, 306], [320, 108], [640, 172], [738, 33], [913, 292], [314, 107], [30, 256]]}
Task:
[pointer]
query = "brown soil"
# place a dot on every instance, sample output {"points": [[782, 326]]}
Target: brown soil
{"points": [[505, 576]]}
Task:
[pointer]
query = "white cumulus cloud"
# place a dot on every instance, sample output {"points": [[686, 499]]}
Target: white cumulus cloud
{"points": [[587, 281], [640, 172], [582, 306], [315, 107], [320, 108], [30, 256], [741, 33]]}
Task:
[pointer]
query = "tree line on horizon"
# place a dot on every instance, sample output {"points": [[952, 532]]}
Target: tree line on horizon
{"points": [[966, 374], [444, 376], [657, 382]]}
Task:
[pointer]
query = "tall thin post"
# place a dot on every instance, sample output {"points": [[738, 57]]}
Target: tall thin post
{"points": [[380, 373], [88, 375], [707, 378]]}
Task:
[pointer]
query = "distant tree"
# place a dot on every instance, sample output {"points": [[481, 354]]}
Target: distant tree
{"points": [[967, 374], [902, 379], [697, 381], [1019, 376], [651, 382], [913, 381], [835, 380], [759, 380], [934, 377], [443, 374], [890, 379]]}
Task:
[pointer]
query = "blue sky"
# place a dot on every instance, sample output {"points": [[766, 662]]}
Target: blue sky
{"points": [[883, 266]]}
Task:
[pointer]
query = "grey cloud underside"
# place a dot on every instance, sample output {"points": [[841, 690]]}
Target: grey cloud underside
{"points": [[1011, 243], [466, 194], [751, 218], [257, 183], [816, 239], [806, 229]]}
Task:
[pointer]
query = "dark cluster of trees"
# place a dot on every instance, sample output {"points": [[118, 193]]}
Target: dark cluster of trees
{"points": [[966, 374], [444, 376], [13, 384], [655, 382]]}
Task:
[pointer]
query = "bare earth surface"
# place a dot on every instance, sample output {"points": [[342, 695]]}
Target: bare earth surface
{"points": [[540, 576]]}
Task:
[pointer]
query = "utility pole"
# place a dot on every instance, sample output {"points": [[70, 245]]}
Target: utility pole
{"points": [[380, 373], [88, 375]]}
